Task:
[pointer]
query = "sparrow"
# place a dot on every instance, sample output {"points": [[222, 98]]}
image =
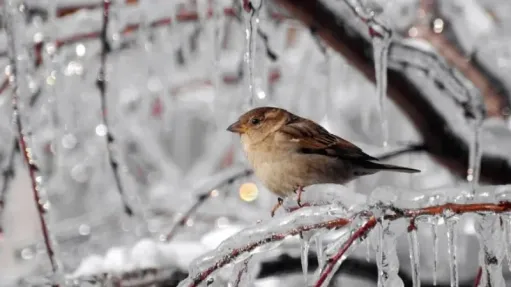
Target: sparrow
{"points": [[288, 153]]}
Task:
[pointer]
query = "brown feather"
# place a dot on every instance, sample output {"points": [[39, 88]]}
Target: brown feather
{"points": [[311, 138]]}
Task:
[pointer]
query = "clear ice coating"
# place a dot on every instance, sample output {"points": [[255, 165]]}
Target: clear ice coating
{"points": [[380, 53], [320, 249], [434, 232], [413, 243], [304, 246], [490, 254], [264, 237], [452, 233]]}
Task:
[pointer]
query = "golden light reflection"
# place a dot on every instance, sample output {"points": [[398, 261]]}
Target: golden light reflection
{"points": [[249, 191]]}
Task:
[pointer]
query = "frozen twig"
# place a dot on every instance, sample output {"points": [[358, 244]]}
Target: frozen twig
{"points": [[478, 276], [272, 236], [360, 233], [201, 199], [12, 20], [101, 82]]}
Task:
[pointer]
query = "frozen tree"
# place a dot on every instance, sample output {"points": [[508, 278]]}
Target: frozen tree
{"points": [[117, 169]]}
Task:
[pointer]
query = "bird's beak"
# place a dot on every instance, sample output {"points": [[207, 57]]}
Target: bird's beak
{"points": [[237, 127]]}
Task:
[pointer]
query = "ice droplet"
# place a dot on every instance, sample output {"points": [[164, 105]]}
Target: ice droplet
{"points": [[380, 52], [305, 245], [413, 243], [451, 248]]}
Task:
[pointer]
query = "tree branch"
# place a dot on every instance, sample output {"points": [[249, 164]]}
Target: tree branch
{"points": [[438, 133]]}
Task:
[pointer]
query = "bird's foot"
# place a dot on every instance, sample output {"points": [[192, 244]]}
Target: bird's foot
{"points": [[280, 201], [299, 190]]}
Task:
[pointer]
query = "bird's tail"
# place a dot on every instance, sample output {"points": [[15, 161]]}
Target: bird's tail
{"points": [[387, 167]]}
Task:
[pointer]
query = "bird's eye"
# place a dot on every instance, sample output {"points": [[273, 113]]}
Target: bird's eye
{"points": [[255, 121]]}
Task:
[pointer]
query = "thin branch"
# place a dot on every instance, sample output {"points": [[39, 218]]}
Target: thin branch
{"points": [[201, 199], [360, 233], [478, 277], [26, 152], [101, 83], [412, 148]]}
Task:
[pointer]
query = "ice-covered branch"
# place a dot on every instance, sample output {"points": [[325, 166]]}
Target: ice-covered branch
{"points": [[263, 237], [414, 86], [14, 12], [101, 82], [361, 219]]}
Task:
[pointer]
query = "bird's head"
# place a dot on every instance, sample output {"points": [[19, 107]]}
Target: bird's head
{"points": [[257, 124]]}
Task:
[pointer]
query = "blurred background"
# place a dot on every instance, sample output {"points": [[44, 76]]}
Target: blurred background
{"points": [[142, 108]]}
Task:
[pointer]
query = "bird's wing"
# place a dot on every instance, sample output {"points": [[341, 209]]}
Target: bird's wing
{"points": [[311, 138]]}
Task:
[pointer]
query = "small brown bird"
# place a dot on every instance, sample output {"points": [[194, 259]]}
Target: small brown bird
{"points": [[288, 153]]}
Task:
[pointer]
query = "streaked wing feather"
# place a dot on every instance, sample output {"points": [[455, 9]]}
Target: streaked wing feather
{"points": [[314, 139]]}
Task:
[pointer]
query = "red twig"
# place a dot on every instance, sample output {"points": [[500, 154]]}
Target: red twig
{"points": [[25, 150], [271, 238], [360, 233], [242, 271], [478, 276]]}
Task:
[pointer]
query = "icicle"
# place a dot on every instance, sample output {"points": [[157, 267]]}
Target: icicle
{"points": [[386, 257], [451, 248], [217, 44], [506, 230], [251, 24], [319, 250], [490, 255], [368, 250], [434, 232], [305, 244], [413, 243], [381, 44], [475, 153]]}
